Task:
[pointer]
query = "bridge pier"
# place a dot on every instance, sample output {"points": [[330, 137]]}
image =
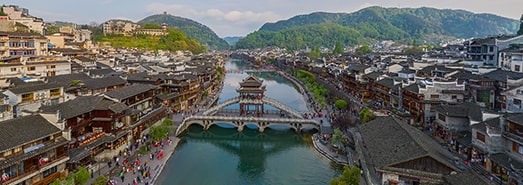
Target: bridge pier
{"points": [[239, 124], [261, 129], [240, 128]]}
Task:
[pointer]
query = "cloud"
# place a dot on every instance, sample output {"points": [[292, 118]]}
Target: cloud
{"points": [[229, 22]]}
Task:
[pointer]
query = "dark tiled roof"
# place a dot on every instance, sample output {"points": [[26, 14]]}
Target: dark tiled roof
{"points": [[99, 83], [118, 107], [407, 71], [412, 88], [482, 126], [18, 131], [251, 81], [518, 118], [465, 177], [374, 75], [84, 59], [165, 96], [31, 87], [389, 82], [390, 142], [506, 161], [75, 107], [129, 91], [501, 75], [465, 109], [98, 72], [66, 80]]}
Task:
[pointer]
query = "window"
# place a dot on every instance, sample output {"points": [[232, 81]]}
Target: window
{"points": [[31, 44], [480, 137], [491, 57], [51, 66], [8, 153], [49, 171], [491, 49], [454, 97], [18, 149], [434, 96], [517, 68], [441, 117], [31, 68], [13, 69]]}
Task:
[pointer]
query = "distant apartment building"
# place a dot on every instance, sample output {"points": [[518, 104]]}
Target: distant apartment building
{"points": [[129, 28], [21, 16], [37, 67], [59, 40], [511, 59], [487, 49], [28, 97], [22, 44], [119, 27]]}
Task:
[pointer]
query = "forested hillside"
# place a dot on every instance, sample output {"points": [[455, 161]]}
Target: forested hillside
{"points": [[425, 25], [191, 28]]}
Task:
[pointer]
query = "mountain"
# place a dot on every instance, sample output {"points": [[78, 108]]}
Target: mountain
{"points": [[403, 25], [191, 28], [232, 40]]}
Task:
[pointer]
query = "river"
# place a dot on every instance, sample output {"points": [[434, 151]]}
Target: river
{"points": [[223, 156]]}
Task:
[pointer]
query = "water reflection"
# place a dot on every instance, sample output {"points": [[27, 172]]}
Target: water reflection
{"points": [[250, 146]]}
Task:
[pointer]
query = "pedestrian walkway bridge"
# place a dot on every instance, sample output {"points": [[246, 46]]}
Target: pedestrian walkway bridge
{"points": [[269, 101], [206, 122]]}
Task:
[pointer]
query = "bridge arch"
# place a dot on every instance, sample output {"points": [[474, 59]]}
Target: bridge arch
{"points": [[266, 100], [240, 122]]}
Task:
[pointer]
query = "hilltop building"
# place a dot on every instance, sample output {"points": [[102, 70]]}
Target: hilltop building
{"points": [[18, 19]]}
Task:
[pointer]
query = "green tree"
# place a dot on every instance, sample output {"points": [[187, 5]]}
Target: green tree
{"points": [[520, 31], [338, 49], [363, 50], [159, 132], [152, 26], [168, 122], [56, 182], [337, 137], [366, 115], [413, 50], [341, 104], [315, 53], [101, 180], [69, 180], [350, 176], [82, 175]]}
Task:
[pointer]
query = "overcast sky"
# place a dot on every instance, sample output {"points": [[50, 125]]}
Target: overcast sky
{"points": [[237, 17]]}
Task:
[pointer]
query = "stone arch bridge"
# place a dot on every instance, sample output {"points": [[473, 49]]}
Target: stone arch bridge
{"points": [[294, 120]]}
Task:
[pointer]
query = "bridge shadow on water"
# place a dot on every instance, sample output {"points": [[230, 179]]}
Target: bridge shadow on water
{"points": [[250, 146]]}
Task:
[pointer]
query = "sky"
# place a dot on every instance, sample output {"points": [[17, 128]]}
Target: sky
{"points": [[237, 17]]}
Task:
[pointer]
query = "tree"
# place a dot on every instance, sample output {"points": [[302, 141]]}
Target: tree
{"points": [[341, 104], [101, 180], [159, 132], [168, 122], [56, 182], [337, 137], [520, 31], [338, 49], [350, 176], [315, 53], [366, 115], [82, 175], [363, 50]]}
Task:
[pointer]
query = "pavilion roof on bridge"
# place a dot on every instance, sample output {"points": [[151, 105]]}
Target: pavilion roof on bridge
{"points": [[251, 81], [251, 84]]}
